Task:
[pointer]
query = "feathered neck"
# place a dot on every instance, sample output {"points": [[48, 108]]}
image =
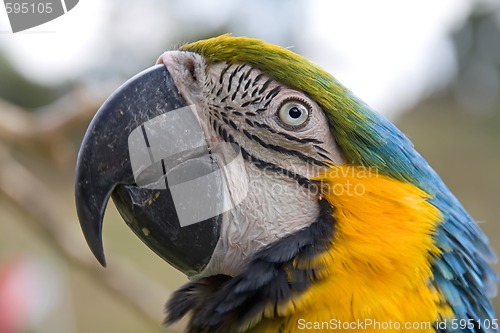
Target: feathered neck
{"points": [[367, 255], [274, 276]]}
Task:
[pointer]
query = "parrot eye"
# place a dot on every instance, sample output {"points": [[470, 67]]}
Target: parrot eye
{"points": [[294, 114]]}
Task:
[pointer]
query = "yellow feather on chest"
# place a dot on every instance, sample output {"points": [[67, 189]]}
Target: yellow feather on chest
{"points": [[378, 267]]}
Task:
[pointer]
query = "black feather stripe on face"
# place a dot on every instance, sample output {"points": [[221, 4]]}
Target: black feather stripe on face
{"points": [[271, 278], [238, 112]]}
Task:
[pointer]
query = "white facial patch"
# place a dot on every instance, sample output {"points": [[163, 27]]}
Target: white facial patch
{"points": [[285, 140]]}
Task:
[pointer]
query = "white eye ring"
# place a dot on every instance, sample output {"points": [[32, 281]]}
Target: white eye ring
{"points": [[294, 114]]}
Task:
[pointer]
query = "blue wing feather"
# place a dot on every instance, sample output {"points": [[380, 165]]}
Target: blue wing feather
{"points": [[462, 273]]}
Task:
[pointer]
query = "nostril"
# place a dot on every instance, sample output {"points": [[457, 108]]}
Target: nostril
{"points": [[186, 68], [190, 66]]}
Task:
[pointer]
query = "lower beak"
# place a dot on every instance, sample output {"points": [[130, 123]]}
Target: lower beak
{"points": [[136, 151]]}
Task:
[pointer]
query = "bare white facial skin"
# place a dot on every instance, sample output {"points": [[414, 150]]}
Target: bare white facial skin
{"points": [[284, 138]]}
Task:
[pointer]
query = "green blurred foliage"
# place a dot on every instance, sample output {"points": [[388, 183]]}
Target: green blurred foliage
{"points": [[17, 89]]}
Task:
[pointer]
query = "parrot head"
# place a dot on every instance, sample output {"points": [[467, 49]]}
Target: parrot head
{"points": [[279, 193]]}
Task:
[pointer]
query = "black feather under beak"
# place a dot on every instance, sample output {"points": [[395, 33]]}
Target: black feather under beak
{"points": [[133, 143]]}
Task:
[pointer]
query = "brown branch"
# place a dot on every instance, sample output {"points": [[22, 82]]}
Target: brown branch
{"points": [[121, 280], [67, 114], [49, 128]]}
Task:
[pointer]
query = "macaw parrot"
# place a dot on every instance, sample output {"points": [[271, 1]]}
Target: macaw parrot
{"points": [[288, 202]]}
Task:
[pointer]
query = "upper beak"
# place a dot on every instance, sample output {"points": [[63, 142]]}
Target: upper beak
{"points": [[133, 143]]}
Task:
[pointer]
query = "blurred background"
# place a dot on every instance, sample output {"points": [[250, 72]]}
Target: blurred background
{"points": [[433, 67]]}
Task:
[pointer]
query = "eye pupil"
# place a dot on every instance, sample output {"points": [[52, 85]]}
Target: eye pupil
{"points": [[294, 112]]}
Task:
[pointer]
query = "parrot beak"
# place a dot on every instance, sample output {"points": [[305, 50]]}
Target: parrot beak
{"points": [[136, 151]]}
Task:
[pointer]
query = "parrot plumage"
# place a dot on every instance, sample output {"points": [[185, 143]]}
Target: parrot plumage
{"points": [[365, 229]]}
